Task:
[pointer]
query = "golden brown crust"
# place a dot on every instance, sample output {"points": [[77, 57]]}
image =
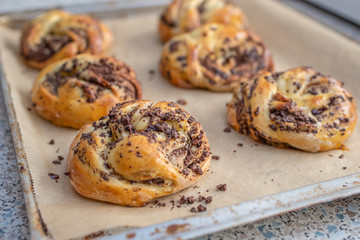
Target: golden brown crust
{"points": [[140, 151], [186, 15], [79, 90], [215, 57], [298, 108], [56, 35]]}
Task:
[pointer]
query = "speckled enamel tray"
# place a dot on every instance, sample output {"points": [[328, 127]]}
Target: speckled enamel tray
{"points": [[211, 221]]}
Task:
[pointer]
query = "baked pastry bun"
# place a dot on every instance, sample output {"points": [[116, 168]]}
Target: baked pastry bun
{"points": [[79, 90], [298, 108], [142, 150], [186, 15], [215, 57], [56, 35]]}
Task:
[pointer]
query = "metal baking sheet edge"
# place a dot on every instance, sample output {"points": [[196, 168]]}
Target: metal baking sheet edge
{"points": [[188, 227], [36, 225]]}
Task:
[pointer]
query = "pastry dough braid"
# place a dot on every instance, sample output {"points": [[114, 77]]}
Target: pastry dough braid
{"points": [[300, 108], [215, 57], [56, 35], [186, 15], [79, 90], [140, 151]]}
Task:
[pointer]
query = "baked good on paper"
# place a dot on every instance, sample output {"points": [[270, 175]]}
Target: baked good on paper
{"points": [[142, 150], [298, 108], [215, 57], [56, 35], [186, 15], [79, 90]]}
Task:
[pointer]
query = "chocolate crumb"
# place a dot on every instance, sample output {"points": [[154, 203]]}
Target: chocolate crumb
{"points": [[344, 168], [215, 157], [208, 199], [227, 129], [60, 158], [53, 176], [240, 144], [221, 187], [193, 209], [29, 109], [341, 156], [66, 173], [152, 71], [52, 142], [56, 162], [201, 208], [234, 151], [190, 200], [181, 102]]}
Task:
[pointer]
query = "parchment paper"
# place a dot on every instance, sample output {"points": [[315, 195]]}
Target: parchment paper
{"points": [[250, 172]]}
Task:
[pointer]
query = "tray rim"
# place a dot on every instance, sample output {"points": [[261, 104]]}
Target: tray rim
{"points": [[187, 227]]}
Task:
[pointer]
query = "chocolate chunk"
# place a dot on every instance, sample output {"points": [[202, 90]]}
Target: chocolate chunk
{"points": [[181, 101], [201, 208], [215, 157], [240, 144], [341, 156], [208, 199], [273, 127], [53, 176], [52, 142], [221, 187], [193, 209], [227, 129], [60, 158]]}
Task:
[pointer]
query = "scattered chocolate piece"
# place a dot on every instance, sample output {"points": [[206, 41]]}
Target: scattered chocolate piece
{"points": [[181, 102], [221, 187], [341, 156], [190, 200], [60, 158], [152, 71], [227, 129], [193, 209], [52, 142], [29, 109], [66, 173], [240, 144], [56, 162], [183, 200], [234, 151], [53, 176], [344, 168], [215, 157], [201, 208], [208, 199]]}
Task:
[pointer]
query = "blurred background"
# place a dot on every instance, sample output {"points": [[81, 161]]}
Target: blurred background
{"points": [[341, 15]]}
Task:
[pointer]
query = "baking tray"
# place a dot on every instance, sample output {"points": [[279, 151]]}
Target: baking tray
{"points": [[200, 224]]}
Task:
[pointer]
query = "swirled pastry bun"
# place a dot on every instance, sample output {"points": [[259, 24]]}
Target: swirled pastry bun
{"points": [[142, 150], [298, 108], [79, 90], [186, 15], [215, 57], [56, 35]]}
